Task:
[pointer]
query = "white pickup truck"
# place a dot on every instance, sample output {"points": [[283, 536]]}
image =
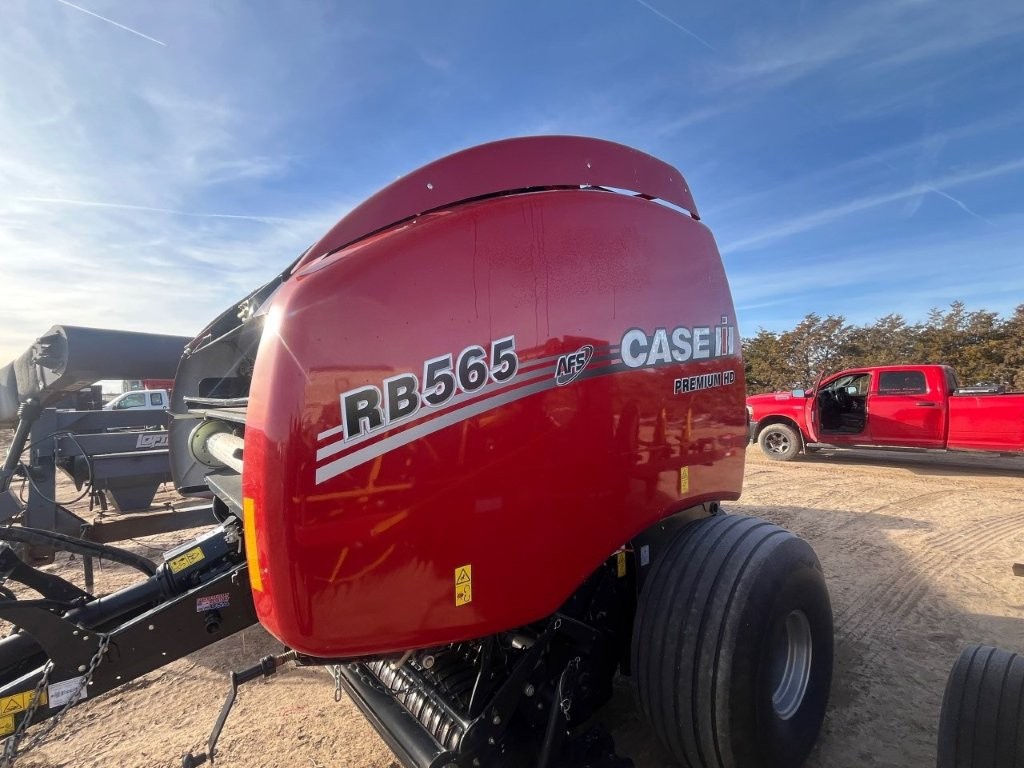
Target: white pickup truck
{"points": [[140, 399]]}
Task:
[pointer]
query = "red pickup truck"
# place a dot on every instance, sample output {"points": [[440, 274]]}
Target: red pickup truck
{"points": [[900, 406]]}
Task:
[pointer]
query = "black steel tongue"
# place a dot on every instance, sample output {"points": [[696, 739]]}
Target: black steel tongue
{"points": [[265, 668]]}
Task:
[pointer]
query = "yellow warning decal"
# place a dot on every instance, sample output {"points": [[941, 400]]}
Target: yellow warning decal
{"points": [[181, 562], [19, 702], [684, 479], [464, 585], [6, 725], [251, 555], [620, 564]]}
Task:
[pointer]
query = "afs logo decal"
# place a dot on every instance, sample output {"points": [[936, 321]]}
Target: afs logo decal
{"points": [[570, 366]]}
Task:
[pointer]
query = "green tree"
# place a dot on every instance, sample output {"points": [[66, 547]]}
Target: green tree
{"points": [[794, 358], [1011, 367], [972, 342], [816, 344], [979, 344], [763, 362], [888, 341]]}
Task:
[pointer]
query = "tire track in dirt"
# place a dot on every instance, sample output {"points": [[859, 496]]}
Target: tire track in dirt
{"points": [[974, 540], [935, 544], [912, 503], [877, 614]]}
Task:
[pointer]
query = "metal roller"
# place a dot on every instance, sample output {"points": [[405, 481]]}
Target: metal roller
{"points": [[215, 444]]}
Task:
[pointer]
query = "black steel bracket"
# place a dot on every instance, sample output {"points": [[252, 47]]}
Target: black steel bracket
{"points": [[49, 585], [148, 640], [82, 547]]}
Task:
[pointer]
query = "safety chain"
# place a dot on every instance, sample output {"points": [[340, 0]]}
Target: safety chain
{"points": [[335, 670], [11, 745]]}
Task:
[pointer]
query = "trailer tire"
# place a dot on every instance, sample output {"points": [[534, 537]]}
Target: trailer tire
{"points": [[981, 710], [779, 442], [732, 645]]}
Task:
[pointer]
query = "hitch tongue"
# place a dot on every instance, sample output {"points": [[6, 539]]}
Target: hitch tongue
{"points": [[265, 668]]}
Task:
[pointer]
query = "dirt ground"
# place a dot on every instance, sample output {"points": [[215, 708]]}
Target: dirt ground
{"points": [[916, 548]]}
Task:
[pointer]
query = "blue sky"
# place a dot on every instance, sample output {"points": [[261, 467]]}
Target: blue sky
{"points": [[851, 158]]}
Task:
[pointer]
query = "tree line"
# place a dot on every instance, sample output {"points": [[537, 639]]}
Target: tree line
{"points": [[983, 347]]}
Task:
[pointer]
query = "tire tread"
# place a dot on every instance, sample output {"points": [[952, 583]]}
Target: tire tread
{"points": [[980, 723], [680, 634]]}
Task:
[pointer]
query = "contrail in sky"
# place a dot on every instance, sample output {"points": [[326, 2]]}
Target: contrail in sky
{"points": [[674, 23], [959, 203], [119, 26]]}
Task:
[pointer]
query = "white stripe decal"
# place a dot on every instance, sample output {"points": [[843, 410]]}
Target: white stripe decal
{"points": [[354, 459], [337, 447], [526, 368]]}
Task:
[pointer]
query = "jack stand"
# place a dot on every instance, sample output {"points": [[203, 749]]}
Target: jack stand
{"points": [[265, 668]]}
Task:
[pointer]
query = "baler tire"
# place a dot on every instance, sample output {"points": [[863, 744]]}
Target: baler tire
{"points": [[732, 645], [982, 710], [779, 442]]}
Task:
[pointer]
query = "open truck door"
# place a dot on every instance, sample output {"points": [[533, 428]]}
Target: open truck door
{"points": [[838, 409], [811, 411]]}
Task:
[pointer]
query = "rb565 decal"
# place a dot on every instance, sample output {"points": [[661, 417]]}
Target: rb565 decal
{"points": [[370, 408]]}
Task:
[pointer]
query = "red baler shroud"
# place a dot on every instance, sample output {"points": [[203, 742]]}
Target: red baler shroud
{"points": [[364, 530]]}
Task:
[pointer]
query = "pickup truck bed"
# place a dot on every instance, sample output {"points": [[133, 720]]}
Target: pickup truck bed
{"points": [[986, 423]]}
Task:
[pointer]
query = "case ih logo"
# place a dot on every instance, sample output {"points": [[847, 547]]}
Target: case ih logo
{"points": [[570, 366], [640, 349], [155, 440]]}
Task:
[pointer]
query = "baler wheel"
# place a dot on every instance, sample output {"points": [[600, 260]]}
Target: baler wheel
{"points": [[732, 645], [981, 722]]}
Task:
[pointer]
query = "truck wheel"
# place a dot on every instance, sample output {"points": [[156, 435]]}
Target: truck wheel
{"points": [[779, 442], [981, 710], [732, 645]]}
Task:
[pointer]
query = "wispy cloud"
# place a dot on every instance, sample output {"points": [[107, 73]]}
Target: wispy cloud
{"points": [[111, 21], [869, 37], [780, 294], [678, 26], [859, 166], [834, 213], [152, 273], [689, 119], [150, 209], [138, 180], [435, 60]]}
